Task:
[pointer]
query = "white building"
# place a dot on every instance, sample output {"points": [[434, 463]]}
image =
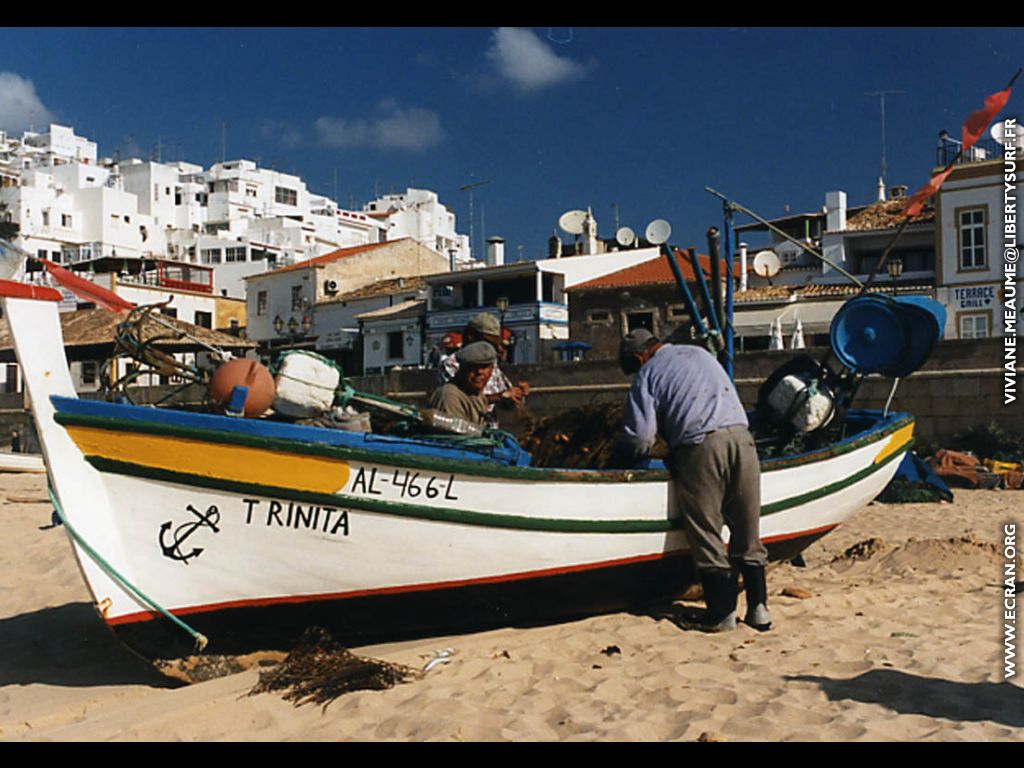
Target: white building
{"points": [[235, 217], [283, 305], [417, 213], [533, 292], [969, 239]]}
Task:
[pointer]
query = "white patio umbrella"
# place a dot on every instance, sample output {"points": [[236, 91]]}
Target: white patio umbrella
{"points": [[797, 342]]}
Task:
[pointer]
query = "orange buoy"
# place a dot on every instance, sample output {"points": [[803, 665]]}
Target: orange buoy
{"points": [[245, 373]]}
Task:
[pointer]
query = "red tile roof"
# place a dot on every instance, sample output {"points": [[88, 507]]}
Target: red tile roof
{"points": [[652, 272], [327, 258]]}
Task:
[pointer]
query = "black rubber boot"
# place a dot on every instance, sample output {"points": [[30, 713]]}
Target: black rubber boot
{"points": [[756, 587], [720, 597]]}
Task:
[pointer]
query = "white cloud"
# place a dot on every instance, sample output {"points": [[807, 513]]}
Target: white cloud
{"points": [[412, 128], [526, 61], [286, 133], [20, 107]]}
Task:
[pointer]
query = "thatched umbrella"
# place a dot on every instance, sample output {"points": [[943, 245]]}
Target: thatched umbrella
{"points": [[89, 335]]}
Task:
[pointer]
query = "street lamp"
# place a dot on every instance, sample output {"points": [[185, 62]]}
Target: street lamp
{"points": [[895, 267], [502, 304], [293, 326], [307, 324], [278, 325]]}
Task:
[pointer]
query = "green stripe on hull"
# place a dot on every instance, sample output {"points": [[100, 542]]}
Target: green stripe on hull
{"points": [[457, 516]]}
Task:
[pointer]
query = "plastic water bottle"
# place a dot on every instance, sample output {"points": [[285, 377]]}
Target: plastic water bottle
{"points": [[452, 424]]}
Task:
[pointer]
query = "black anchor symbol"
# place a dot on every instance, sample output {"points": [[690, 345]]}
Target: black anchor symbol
{"points": [[183, 531]]}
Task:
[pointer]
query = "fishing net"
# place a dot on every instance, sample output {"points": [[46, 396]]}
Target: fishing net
{"points": [[319, 670], [901, 491], [582, 438]]}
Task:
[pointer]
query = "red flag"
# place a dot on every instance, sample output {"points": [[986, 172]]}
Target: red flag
{"points": [[88, 290], [976, 124], [919, 198]]}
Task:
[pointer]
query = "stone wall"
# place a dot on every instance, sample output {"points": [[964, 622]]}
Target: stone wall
{"points": [[961, 385]]}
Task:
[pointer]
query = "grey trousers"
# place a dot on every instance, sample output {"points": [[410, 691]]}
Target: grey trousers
{"points": [[718, 483]]}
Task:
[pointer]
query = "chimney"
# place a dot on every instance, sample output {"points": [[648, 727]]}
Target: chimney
{"points": [[495, 251], [835, 206], [898, 191], [881, 190], [554, 246], [589, 234]]}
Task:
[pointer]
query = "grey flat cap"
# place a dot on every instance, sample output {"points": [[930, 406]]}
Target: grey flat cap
{"points": [[634, 341], [477, 353], [485, 323]]}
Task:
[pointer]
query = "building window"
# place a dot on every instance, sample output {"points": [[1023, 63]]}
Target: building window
{"points": [[974, 326], [204, 319], [286, 196], [296, 297], [644, 319], [972, 238], [234, 254], [65, 220], [211, 255], [677, 313], [169, 312], [46, 218], [599, 316], [41, 253], [395, 349], [261, 303], [89, 372]]}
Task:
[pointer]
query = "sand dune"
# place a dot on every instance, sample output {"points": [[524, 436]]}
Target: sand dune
{"points": [[899, 639]]}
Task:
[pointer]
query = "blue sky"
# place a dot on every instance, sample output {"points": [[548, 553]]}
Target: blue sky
{"points": [[554, 117]]}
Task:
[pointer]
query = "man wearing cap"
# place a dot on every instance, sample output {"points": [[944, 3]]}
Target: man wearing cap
{"points": [[499, 389], [464, 395], [682, 393]]}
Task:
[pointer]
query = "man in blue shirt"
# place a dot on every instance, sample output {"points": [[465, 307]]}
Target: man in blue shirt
{"points": [[682, 393]]}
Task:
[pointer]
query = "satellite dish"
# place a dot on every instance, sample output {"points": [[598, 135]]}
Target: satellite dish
{"points": [[767, 264], [625, 237], [572, 222], [997, 132], [658, 232]]}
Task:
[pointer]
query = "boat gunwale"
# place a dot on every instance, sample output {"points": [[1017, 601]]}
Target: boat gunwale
{"points": [[465, 516], [884, 427]]}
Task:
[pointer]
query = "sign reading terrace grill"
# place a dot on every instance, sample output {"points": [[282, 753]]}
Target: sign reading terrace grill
{"points": [[974, 296]]}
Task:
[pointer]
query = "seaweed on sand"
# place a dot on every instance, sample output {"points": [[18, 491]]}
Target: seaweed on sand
{"points": [[319, 670]]}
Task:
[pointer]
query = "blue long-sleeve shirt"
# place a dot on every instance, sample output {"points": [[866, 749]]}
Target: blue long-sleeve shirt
{"points": [[681, 393]]}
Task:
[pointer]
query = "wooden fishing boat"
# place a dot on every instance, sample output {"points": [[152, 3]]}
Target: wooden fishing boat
{"points": [[246, 531]]}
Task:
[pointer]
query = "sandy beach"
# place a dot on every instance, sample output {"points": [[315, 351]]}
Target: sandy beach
{"points": [[898, 639]]}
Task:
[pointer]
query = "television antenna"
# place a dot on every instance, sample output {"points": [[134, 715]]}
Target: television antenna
{"points": [[882, 95], [469, 188]]}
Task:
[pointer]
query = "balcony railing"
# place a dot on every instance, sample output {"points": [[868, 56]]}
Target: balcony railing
{"points": [[985, 149]]}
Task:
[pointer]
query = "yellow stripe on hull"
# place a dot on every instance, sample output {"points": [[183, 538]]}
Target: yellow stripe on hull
{"points": [[897, 442], [242, 464]]}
